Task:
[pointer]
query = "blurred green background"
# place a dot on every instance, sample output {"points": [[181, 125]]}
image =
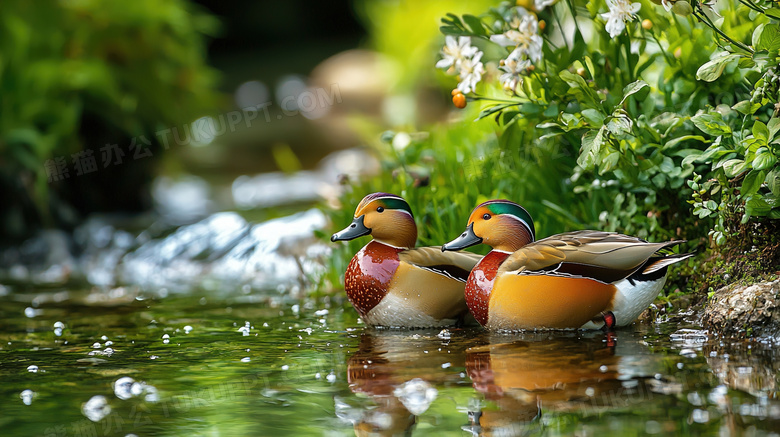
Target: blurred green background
{"points": [[100, 98]]}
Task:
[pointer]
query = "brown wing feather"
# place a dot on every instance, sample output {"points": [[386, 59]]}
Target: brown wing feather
{"points": [[606, 255], [454, 264]]}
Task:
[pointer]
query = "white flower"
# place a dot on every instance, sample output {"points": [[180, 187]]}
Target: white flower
{"points": [[667, 4], [620, 11], [539, 5], [471, 71], [454, 52], [522, 36], [513, 69]]}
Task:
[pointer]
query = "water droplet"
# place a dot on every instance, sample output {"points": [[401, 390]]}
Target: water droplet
{"points": [[446, 365], [27, 396], [187, 329], [123, 387], [96, 408], [166, 338], [331, 378], [246, 360], [590, 391], [322, 312], [317, 375], [603, 369], [32, 368], [96, 345], [416, 395], [296, 309], [285, 367]]}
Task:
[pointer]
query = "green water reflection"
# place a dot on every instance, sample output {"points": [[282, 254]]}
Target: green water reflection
{"points": [[310, 368]]}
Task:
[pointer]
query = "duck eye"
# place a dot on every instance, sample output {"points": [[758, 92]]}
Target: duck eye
{"points": [[380, 209], [486, 216]]}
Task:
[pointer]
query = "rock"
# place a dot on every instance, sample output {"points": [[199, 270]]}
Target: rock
{"points": [[745, 311]]}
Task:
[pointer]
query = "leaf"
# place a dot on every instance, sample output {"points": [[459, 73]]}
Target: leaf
{"points": [[454, 31], [591, 146], [757, 206], [768, 37], [773, 126], [773, 181], [632, 89], [773, 13], [752, 183], [711, 124], [712, 70], [733, 167], [475, 24], [620, 125], [594, 117], [671, 143], [746, 107], [760, 131], [764, 160]]}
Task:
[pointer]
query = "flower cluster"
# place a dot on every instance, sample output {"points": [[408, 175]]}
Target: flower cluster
{"points": [[458, 55], [620, 11]]}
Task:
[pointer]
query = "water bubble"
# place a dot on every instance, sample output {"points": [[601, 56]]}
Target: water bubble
{"points": [[446, 365], [652, 427], [603, 369], [123, 387], [58, 327], [32, 368], [166, 339], [590, 392], [96, 345], [109, 343], [331, 378], [96, 408], [317, 375], [285, 367], [265, 325], [246, 360], [322, 312], [445, 334], [296, 309], [104, 338], [27, 396], [151, 393], [416, 395], [31, 312], [187, 329]]}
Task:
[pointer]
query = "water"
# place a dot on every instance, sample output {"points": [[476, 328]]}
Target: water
{"points": [[260, 365]]}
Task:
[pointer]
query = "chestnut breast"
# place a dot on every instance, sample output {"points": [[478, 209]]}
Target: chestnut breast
{"points": [[369, 274], [480, 284]]}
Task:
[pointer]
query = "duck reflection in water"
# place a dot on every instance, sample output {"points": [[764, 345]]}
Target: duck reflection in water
{"points": [[522, 375], [399, 373]]}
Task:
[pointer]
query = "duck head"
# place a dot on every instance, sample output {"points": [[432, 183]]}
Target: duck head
{"points": [[501, 224], [386, 217]]}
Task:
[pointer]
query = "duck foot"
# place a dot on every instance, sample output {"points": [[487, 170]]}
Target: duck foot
{"points": [[609, 321]]}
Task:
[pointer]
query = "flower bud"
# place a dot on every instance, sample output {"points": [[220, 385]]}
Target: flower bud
{"points": [[678, 52], [647, 24], [542, 25], [682, 8]]}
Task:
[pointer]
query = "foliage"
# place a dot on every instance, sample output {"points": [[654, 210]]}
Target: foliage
{"points": [[706, 130], [131, 67]]}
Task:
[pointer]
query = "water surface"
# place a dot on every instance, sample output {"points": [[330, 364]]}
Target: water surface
{"points": [[241, 364]]}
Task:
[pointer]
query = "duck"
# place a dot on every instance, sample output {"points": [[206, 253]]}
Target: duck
{"points": [[392, 283], [582, 279]]}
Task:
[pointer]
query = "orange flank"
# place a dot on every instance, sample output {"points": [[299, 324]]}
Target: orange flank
{"points": [[542, 301]]}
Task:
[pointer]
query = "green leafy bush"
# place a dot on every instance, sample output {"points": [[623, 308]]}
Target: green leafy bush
{"points": [[76, 74], [672, 113]]}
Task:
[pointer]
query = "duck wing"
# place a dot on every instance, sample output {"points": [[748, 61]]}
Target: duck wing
{"points": [[456, 265], [603, 256]]}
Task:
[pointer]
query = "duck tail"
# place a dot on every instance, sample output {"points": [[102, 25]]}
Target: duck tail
{"points": [[660, 263]]}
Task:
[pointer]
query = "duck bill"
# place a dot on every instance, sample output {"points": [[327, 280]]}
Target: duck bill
{"points": [[354, 230], [466, 239]]}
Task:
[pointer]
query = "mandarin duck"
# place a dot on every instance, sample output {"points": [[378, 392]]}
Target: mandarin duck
{"points": [[582, 279], [393, 284]]}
